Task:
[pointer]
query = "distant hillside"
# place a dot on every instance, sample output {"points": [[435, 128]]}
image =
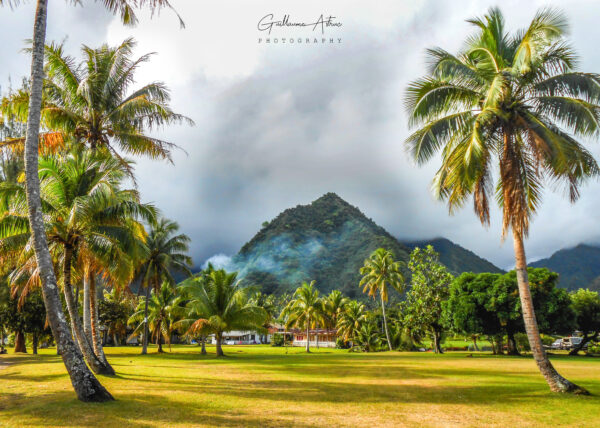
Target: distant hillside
{"points": [[578, 267], [456, 258], [328, 241]]}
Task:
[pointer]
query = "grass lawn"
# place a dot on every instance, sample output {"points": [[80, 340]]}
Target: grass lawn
{"points": [[264, 386]]}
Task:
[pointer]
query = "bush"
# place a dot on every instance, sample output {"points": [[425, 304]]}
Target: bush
{"points": [[593, 348], [523, 342], [341, 344], [277, 340]]}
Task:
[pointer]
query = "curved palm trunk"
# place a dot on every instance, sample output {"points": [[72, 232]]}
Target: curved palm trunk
{"points": [[20, 342], [96, 339], [145, 340], [219, 338], [385, 326], [556, 382], [84, 382], [82, 339]]}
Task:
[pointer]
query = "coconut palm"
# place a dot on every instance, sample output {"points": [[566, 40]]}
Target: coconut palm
{"points": [[90, 226], [219, 304], [304, 311], [380, 272], [165, 254], [350, 321], [510, 106], [164, 311], [84, 383], [334, 305]]}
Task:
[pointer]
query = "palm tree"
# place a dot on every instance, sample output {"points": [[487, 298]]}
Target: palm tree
{"points": [[218, 304], [84, 383], [305, 310], [164, 311], [350, 320], [380, 271], [166, 253], [334, 305], [90, 226], [516, 101], [368, 337]]}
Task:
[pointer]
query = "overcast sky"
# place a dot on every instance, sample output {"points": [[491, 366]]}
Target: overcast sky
{"points": [[281, 124]]}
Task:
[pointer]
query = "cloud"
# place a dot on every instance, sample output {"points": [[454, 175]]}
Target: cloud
{"points": [[281, 125]]}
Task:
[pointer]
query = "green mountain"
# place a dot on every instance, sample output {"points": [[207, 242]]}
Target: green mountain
{"points": [[328, 241], [578, 267]]}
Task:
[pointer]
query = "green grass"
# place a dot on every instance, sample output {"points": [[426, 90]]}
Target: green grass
{"points": [[264, 386]]}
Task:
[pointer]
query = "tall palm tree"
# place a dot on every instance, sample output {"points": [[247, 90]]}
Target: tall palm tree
{"points": [[85, 384], [90, 224], [166, 254], [379, 272], [218, 304], [350, 321], [305, 310], [512, 105], [164, 311]]}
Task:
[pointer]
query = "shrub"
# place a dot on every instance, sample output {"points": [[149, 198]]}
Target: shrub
{"points": [[277, 340]]}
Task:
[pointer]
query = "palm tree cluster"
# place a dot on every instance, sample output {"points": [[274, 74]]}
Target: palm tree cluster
{"points": [[70, 221]]}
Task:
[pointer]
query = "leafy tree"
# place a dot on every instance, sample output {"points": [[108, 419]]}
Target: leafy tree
{"points": [[218, 304], [379, 272], [350, 320], [304, 311], [164, 310], [515, 101], [165, 254], [429, 288], [489, 304], [586, 305], [114, 312], [85, 384], [466, 310]]}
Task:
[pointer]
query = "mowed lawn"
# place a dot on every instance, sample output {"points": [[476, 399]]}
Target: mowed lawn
{"points": [[265, 386]]}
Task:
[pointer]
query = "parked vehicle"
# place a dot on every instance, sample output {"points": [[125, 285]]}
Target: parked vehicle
{"points": [[569, 343], [557, 344]]}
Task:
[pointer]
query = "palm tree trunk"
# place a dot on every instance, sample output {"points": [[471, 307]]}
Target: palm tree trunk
{"points": [[84, 382], [159, 337], [20, 342], [307, 335], [145, 340], [556, 382], [96, 339], [87, 316], [219, 338], [203, 339], [475, 347], [82, 339], [385, 326]]}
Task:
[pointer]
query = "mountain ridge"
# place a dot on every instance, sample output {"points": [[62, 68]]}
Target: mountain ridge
{"points": [[327, 241]]}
